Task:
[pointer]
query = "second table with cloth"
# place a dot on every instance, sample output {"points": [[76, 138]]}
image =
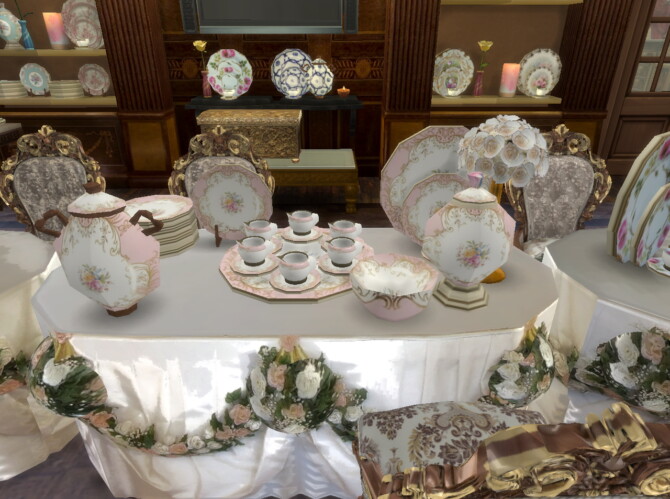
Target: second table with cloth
{"points": [[172, 362]]}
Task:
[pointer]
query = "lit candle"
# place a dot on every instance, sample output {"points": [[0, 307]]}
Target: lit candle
{"points": [[510, 75], [343, 92], [56, 30]]}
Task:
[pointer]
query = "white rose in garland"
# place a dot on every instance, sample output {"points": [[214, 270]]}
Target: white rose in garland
{"points": [[308, 381], [505, 148]]}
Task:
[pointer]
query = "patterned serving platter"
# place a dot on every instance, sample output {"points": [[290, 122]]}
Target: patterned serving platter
{"points": [[35, 78], [229, 69], [425, 198], [649, 173], [10, 29], [321, 81], [286, 59], [81, 21], [94, 79], [229, 196], [432, 150], [453, 73], [654, 227], [538, 58]]}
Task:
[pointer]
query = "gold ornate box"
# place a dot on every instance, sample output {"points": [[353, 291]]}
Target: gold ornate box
{"points": [[274, 133]]}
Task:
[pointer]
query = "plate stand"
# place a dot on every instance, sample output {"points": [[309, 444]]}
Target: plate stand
{"points": [[13, 46], [459, 297], [217, 236]]}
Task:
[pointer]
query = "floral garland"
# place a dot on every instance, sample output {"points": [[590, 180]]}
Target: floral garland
{"points": [[13, 369], [67, 384]]}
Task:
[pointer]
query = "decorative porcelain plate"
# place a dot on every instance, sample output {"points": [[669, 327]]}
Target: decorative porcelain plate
{"points": [[649, 173], [35, 78], [293, 82], [654, 226], [540, 82], [286, 59], [425, 198], [94, 79], [538, 58], [229, 69], [80, 18], [657, 265], [229, 196], [432, 150], [161, 206], [10, 29], [321, 81], [453, 72]]}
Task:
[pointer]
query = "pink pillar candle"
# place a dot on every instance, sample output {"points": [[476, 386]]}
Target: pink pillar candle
{"points": [[56, 30], [510, 75]]}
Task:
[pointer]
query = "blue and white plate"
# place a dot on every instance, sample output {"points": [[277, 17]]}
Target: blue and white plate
{"points": [[287, 59], [35, 78], [294, 82], [10, 29], [321, 81]]}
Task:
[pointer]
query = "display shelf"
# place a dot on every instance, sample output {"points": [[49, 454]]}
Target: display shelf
{"points": [[493, 101], [54, 53], [510, 2], [109, 101]]}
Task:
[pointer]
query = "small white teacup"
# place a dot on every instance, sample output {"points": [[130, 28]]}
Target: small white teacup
{"points": [[342, 250], [295, 266], [345, 228], [253, 250], [666, 258], [261, 228], [302, 222]]}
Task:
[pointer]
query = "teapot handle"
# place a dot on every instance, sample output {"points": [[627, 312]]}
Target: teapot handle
{"points": [[40, 224], [158, 225]]}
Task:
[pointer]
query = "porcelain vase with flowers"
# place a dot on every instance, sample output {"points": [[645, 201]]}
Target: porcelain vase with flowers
{"points": [[467, 240]]}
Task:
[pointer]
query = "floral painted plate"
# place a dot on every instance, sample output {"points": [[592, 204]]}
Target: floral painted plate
{"points": [[229, 196], [656, 265], [654, 227], [432, 150], [649, 173], [229, 69], [35, 78], [321, 81], [425, 198], [540, 82], [94, 79], [10, 29], [81, 21], [453, 73], [286, 59], [538, 58], [294, 82]]}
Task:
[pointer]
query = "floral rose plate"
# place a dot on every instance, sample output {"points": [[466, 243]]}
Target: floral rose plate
{"points": [[35, 78], [227, 196], [81, 21], [540, 82], [649, 173], [654, 226], [229, 69], [453, 73], [538, 58], [432, 150], [94, 79]]}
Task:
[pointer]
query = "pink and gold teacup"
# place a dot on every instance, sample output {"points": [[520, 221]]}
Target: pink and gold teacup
{"points": [[345, 228], [302, 222], [342, 250], [295, 266], [253, 250], [261, 228]]}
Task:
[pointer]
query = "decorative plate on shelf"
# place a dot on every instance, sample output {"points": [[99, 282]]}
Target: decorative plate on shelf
{"points": [[10, 29], [453, 73], [229, 69], [229, 196], [538, 58], [294, 82], [425, 198], [432, 150], [649, 173], [540, 82], [654, 226], [35, 78], [321, 81], [286, 59], [94, 79], [80, 18]]}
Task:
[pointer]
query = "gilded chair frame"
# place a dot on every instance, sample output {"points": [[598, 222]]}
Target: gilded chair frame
{"points": [[217, 142], [44, 143], [562, 142]]}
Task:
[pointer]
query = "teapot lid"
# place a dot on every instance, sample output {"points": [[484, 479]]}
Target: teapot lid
{"points": [[95, 202]]}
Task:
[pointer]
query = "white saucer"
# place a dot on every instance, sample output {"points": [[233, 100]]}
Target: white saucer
{"points": [[240, 267], [278, 282], [656, 265], [326, 265], [313, 235], [276, 242]]}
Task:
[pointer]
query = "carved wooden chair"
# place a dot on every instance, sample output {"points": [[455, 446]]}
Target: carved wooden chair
{"points": [[553, 206], [48, 171]]}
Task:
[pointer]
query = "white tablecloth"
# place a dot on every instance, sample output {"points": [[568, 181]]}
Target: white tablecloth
{"points": [[28, 432], [600, 298], [173, 360]]}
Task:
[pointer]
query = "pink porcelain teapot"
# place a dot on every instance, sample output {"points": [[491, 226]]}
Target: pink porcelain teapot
{"points": [[105, 255]]}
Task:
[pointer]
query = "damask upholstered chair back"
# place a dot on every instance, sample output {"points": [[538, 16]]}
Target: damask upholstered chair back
{"points": [[213, 148], [48, 171], [553, 206]]}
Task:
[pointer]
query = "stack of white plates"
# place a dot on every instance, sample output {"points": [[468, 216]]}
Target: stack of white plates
{"points": [[180, 227], [66, 89], [10, 89]]}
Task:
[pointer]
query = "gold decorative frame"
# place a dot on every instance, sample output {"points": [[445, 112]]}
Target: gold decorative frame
{"points": [[44, 143], [563, 142], [217, 142]]}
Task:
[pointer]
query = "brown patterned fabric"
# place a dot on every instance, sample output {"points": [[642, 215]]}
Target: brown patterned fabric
{"points": [[44, 183], [196, 169], [555, 202]]}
